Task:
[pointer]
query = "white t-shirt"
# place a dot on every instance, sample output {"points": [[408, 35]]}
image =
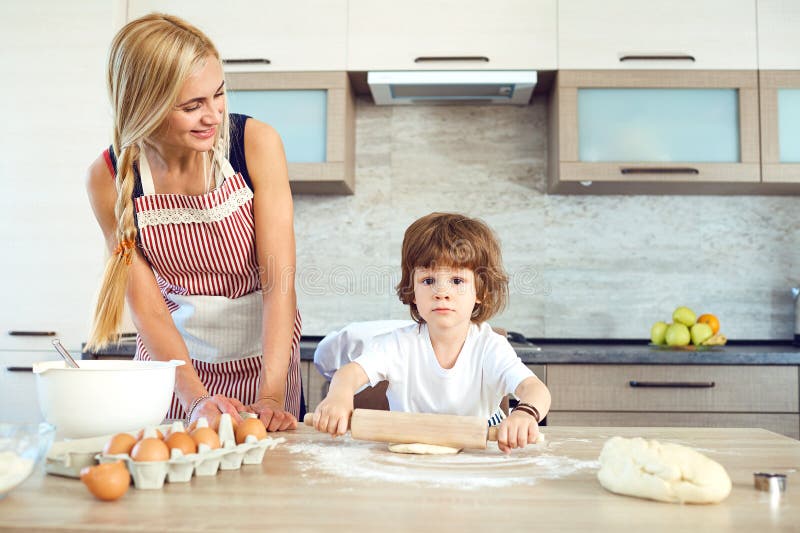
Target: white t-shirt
{"points": [[486, 370], [340, 347]]}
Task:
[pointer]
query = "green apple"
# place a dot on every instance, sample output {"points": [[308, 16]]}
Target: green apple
{"points": [[685, 316], [701, 333], [657, 332], [677, 335]]}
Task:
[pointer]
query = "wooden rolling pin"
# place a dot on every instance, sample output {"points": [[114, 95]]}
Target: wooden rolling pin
{"points": [[469, 432]]}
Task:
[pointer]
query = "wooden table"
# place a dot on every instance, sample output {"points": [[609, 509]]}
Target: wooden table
{"points": [[313, 483]]}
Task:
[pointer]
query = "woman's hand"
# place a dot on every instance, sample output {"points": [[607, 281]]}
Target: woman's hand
{"points": [[517, 431], [333, 414], [212, 408], [273, 415]]}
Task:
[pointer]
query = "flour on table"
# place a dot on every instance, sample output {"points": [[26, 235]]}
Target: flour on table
{"points": [[473, 469], [13, 470]]}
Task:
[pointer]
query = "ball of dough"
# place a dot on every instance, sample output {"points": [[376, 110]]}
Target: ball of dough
{"points": [[422, 449], [661, 471]]}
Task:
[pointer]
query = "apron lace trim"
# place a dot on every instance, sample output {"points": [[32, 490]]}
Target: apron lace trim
{"points": [[187, 215]]}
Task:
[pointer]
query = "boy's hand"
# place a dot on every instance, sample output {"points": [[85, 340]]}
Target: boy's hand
{"points": [[333, 415], [517, 431]]}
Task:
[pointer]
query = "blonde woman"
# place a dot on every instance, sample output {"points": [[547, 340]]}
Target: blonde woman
{"points": [[197, 213]]}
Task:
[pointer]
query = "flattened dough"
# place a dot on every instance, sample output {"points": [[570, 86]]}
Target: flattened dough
{"points": [[423, 449], [661, 471]]}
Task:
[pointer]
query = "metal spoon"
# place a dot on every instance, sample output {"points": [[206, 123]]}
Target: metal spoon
{"points": [[64, 353]]}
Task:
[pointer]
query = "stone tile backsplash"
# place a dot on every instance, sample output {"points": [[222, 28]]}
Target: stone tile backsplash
{"points": [[580, 266]]}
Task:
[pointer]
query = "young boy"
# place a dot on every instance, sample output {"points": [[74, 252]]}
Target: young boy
{"points": [[450, 361]]}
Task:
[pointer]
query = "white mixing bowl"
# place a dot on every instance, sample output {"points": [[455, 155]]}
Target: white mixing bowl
{"points": [[104, 397]]}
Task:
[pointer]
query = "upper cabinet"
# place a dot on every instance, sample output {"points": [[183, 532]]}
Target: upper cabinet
{"points": [[265, 34], [660, 34], [780, 126], [778, 35], [451, 34], [639, 132], [314, 113]]}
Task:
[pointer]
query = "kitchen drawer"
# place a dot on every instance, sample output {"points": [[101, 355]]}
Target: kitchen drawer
{"points": [[540, 371], [18, 400], [317, 386], [784, 424], [695, 388]]}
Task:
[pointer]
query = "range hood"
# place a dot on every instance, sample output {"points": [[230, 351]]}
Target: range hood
{"points": [[452, 87]]}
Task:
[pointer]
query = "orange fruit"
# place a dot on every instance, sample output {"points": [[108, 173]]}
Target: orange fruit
{"points": [[711, 320]]}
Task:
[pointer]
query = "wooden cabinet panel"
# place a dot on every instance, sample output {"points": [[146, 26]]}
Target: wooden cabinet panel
{"points": [[657, 34], [451, 35], [540, 371], [770, 389], [297, 35], [784, 424], [778, 38], [317, 387]]}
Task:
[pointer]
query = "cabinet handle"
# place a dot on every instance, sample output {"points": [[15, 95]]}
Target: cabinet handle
{"points": [[657, 57], [673, 384], [19, 368], [430, 59], [257, 60], [659, 170], [19, 333]]}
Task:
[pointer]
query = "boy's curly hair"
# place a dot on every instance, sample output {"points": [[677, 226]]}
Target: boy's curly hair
{"points": [[457, 241]]}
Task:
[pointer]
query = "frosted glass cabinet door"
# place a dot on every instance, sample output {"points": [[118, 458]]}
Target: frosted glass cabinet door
{"points": [[673, 133], [780, 126], [693, 125], [314, 114]]}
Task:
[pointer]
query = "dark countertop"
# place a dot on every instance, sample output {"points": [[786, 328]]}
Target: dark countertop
{"points": [[567, 351]]}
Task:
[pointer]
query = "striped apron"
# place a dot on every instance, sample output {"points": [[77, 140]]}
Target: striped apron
{"points": [[202, 251]]}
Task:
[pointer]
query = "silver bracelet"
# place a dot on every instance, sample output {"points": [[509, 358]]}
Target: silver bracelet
{"points": [[194, 405]]}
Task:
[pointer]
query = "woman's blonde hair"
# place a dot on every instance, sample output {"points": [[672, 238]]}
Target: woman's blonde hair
{"points": [[149, 61], [457, 241]]}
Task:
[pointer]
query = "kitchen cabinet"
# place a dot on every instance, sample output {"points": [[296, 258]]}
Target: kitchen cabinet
{"points": [[451, 35], [780, 126], [778, 38], [18, 397], [315, 386], [666, 395], [643, 132], [657, 34], [56, 123], [266, 35], [319, 125]]}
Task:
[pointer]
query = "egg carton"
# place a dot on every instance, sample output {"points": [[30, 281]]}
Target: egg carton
{"points": [[180, 468], [67, 457]]}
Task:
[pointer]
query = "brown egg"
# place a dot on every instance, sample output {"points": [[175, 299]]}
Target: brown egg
{"points": [[108, 481], [140, 435], [250, 426], [119, 443], [183, 442], [206, 436], [150, 449]]}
